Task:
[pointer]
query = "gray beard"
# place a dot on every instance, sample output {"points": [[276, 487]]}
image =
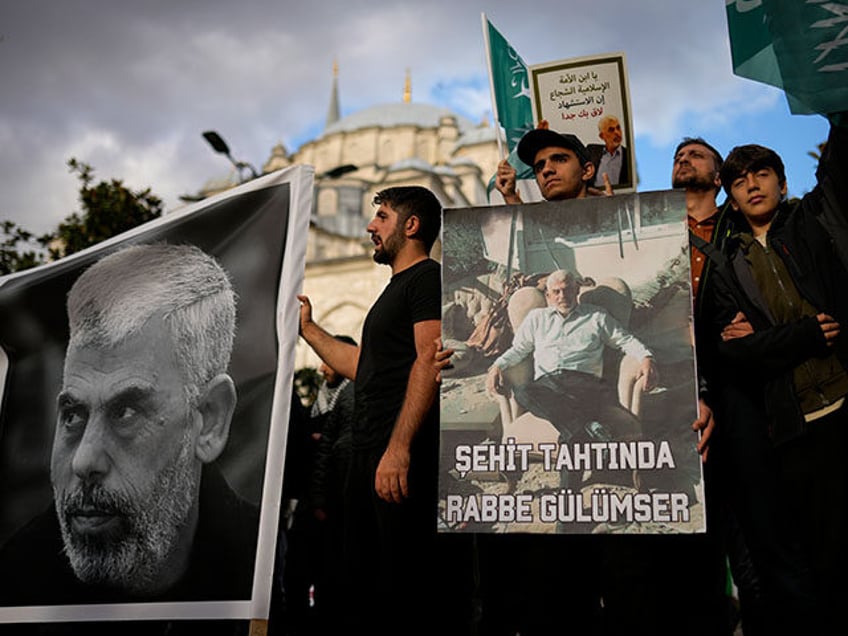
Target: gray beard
{"points": [[134, 560]]}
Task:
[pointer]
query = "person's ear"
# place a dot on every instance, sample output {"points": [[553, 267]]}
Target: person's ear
{"points": [[411, 226], [733, 204], [783, 189], [588, 171], [216, 406]]}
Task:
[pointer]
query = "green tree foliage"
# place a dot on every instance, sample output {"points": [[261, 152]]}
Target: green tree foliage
{"points": [[107, 208], [20, 249]]}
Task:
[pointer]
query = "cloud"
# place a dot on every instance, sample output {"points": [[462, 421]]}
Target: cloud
{"points": [[130, 87]]}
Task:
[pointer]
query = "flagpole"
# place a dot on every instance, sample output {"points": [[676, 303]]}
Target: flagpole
{"points": [[514, 210], [495, 113]]}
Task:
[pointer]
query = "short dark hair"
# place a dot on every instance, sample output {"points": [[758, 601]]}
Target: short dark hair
{"points": [[687, 141], [415, 201], [750, 158]]}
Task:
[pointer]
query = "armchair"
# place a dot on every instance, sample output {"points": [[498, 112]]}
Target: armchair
{"points": [[612, 294]]}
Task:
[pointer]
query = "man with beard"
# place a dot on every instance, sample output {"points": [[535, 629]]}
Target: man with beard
{"points": [[678, 582], [140, 513], [695, 169], [391, 550]]}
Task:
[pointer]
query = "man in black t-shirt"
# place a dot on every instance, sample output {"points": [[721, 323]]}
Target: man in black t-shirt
{"points": [[391, 490]]}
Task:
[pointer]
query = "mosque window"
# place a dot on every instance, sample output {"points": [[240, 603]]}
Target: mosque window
{"points": [[350, 201]]}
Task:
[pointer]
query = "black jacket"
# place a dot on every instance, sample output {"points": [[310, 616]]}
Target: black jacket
{"points": [[333, 454], [809, 237], [706, 355]]}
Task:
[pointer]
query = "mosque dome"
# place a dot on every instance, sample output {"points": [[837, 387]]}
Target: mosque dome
{"points": [[411, 163], [476, 135], [397, 114]]}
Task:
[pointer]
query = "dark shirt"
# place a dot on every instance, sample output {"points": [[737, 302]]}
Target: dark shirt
{"points": [[388, 351], [35, 571], [333, 455]]}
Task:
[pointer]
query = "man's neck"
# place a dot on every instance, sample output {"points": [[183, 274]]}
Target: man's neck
{"points": [[700, 204], [581, 195], [410, 254], [760, 229], [564, 313]]}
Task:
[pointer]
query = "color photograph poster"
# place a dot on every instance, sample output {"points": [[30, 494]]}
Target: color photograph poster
{"points": [[608, 452], [81, 429], [589, 97]]}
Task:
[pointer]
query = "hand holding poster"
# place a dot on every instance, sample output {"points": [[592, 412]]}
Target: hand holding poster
{"points": [[589, 97], [569, 406]]}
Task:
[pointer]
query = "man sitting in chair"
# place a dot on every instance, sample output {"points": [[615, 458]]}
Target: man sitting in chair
{"points": [[567, 341]]}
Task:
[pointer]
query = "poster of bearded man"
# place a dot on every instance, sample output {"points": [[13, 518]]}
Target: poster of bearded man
{"points": [[147, 383]]}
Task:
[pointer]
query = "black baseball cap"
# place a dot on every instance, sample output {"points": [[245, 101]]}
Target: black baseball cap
{"points": [[538, 138]]}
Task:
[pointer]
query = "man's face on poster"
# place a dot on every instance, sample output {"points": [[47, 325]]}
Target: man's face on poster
{"points": [[124, 471], [562, 295], [611, 134]]}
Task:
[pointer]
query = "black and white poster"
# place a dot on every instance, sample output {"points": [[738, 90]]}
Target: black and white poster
{"points": [[146, 388], [572, 393]]}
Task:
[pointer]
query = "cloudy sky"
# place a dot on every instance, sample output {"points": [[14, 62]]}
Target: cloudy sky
{"points": [[129, 86]]}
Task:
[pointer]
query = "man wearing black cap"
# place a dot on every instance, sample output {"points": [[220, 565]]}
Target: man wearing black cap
{"points": [[523, 576], [559, 160]]}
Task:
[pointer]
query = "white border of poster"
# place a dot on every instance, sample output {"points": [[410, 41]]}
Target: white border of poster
{"points": [[574, 95], [505, 469], [282, 200]]}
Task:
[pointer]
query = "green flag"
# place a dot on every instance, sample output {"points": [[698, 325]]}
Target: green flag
{"points": [[801, 47], [510, 86]]}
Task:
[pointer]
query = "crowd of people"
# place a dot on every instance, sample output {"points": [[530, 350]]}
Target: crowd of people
{"points": [[770, 290]]}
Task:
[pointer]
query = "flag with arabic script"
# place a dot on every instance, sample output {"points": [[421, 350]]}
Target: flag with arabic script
{"points": [[508, 79], [800, 47]]}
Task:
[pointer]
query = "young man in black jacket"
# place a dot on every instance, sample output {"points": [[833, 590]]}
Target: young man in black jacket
{"points": [[778, 300]]}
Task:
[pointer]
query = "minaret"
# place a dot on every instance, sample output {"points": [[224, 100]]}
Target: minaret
{"points": [[407, 88], [333, 112]]}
